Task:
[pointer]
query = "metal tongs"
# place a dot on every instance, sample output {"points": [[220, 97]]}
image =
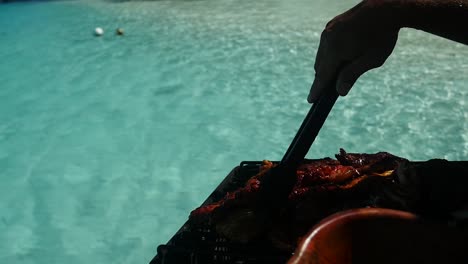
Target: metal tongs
{"points": [[280, 182], [310, 128]]}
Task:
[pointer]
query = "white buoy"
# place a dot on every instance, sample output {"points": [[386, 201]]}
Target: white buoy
{"points": [[98, 31]]}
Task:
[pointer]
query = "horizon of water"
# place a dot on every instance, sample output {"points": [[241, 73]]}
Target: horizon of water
{"points": [[107, 143]]}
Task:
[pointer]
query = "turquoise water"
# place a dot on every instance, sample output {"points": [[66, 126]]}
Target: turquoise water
{"points": [[107, 143]]}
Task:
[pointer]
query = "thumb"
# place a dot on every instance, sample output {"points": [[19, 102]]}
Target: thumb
{"points": [[372, 59], [352, 71]]}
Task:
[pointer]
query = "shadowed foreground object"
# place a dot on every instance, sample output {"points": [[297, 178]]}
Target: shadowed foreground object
{"points": [[377, 235]]}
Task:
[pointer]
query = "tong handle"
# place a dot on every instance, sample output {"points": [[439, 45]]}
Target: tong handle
{"points": [[310, 128]]}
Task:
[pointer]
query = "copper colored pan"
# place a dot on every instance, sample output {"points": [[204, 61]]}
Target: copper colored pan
{"points": [[376, 235]]}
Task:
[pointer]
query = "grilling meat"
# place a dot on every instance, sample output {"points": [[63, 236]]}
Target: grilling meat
{"points": [[284, 205]]}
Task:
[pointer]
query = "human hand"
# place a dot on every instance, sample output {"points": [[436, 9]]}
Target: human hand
{"points": [[352, 43]]}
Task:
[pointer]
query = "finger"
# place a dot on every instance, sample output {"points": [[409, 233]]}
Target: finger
{"points": [[323, 79], [326, 65], [352, 71], [315, 90]]}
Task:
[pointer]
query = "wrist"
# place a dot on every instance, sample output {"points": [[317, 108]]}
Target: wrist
{"points": [[448, 18], [392, 14], [409, 13]]}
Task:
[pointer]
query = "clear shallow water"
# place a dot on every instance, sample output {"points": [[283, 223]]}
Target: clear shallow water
{"points": [[107, 143]]}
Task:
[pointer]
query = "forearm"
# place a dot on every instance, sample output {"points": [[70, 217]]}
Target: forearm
{"points": [[445, 18]]}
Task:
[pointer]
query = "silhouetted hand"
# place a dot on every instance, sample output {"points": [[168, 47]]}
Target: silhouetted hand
{"points": [[351, 44]]}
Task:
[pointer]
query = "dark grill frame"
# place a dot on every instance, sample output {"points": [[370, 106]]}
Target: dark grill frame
{"points": [[200, 244]]}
